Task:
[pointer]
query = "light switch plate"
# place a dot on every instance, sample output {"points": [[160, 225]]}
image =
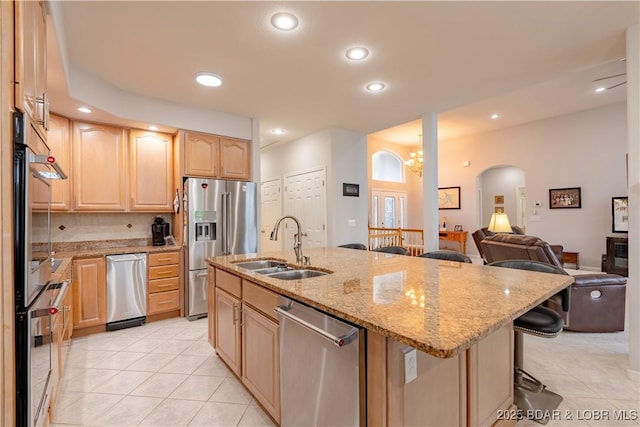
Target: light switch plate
{"points": [[351, 222], [410, 365]]}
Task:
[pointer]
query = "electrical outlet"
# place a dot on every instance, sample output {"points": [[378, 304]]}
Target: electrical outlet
{"points": [[410, 365]]}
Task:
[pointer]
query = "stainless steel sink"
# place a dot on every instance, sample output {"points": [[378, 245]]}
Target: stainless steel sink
{"points": [[260, 264], [270, 270], [297, 274]]}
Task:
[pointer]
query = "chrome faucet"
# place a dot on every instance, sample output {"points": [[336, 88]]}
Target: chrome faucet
{"points": [[297, 244]]}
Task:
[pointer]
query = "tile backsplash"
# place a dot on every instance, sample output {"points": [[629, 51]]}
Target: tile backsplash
{"points": [[66, 227]]}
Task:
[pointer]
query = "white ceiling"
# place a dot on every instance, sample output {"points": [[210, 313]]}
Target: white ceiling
{"points": [[463, 60]]}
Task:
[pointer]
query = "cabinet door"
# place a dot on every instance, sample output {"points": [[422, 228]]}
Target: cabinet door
{"points": [[89, 292], [151, 181], [201, 154], [228, 329], [235, 159], [261, 359], [211, 307], [59, 141], [99, 173], [30, 61]]}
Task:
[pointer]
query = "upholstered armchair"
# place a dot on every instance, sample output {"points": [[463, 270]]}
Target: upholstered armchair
{"points": [[597, 301], [480, 234]]}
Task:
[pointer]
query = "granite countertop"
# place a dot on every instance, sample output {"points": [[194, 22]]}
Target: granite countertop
{"points": [[439, 307]]}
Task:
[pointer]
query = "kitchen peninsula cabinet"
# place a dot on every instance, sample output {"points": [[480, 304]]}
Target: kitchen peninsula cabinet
{"points": [[99, 168], [212, 156], [151, 180], [31, 62], [89, 293], [247, 336]]}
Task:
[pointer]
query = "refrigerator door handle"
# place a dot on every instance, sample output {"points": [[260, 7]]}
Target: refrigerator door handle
{"points": [[223, 231]]}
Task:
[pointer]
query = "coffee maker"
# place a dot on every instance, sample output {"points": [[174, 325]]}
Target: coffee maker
{"points": [[159, 229]]}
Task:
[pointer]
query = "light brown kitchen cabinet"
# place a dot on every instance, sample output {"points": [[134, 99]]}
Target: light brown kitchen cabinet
{"points": [[151, 179], [89, 292], [99, 167], [164, 282], [59, 142], [235, 159], [62, 330], [201, 154], [261, 359], [228, 330], [31, 62], [211, 307], [212, 156]]}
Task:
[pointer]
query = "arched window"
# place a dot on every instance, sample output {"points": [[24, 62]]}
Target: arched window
{"points": [[387, 166]]}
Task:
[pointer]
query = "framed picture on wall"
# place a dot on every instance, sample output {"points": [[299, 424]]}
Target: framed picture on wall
{"points": [[620, 214], [449, 198], [563, 198]]}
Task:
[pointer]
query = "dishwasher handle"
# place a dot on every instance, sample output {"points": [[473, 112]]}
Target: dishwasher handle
{"points": [[338, 341]]}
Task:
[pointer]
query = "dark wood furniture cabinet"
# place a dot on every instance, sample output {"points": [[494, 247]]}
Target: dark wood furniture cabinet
{"points": [[617, 258]]}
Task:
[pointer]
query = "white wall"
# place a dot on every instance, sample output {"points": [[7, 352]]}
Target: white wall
{"points": [[344, 155], [585, 149]]}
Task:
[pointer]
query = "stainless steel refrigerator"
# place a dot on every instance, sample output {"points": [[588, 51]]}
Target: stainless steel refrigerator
{"points": [[221, 219]]}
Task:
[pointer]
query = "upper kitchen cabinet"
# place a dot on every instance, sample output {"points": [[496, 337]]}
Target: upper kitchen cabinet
{"points": [[235, 159], [31, 62], [99, 168], [59, 141], [212, 156], [151, 180]]}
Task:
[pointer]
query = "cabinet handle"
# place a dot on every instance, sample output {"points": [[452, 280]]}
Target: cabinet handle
{"points": [[165, 272], [165, 285], [164, 259], [165, 302]]}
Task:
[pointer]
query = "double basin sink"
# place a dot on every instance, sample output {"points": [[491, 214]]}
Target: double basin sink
{"points": [[279, 270]]}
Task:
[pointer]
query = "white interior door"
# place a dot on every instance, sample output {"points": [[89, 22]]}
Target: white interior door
{"points": [[270, 211], [306, 200]]}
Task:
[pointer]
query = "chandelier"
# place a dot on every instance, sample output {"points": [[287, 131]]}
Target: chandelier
{"points": [[416, 161]]}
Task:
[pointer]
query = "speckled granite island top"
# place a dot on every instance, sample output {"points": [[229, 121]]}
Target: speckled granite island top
{"points": [[439, 307]]}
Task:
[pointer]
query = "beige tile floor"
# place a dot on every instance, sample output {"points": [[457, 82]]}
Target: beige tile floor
{"points": [[166, 374]]}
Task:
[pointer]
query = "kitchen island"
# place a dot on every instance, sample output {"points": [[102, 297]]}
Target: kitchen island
{"points": [[457, 315]]}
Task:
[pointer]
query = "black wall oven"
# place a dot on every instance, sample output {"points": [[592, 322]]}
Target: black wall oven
{"points": [[36, 298]]}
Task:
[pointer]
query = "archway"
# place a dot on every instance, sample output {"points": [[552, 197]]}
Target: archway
{"points": [[502, 188]]}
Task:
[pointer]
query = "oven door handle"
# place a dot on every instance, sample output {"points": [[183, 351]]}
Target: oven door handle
{"points": [[55, 306]]}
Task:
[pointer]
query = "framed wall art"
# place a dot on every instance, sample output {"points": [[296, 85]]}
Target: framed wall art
{"points": [[620, 214], [562, 198], [449, 198]]}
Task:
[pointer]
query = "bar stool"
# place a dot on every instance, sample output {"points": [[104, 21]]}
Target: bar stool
{"points": [[354, 246], [398, 250], [447, 255], [531, 396]]}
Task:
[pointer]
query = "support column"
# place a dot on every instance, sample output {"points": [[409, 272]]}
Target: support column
{"points": [[430, 215], [633, 149]]}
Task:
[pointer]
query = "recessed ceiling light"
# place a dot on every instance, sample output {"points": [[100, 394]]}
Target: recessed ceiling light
{"points": [[284, 21], [84, 110], [208, 79], [601, 89], [357, 53], [278, 131], [375, 87], [153, 128], [495, 116]]}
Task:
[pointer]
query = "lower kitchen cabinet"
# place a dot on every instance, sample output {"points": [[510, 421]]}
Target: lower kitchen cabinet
{"points": [[245, 331], [211, 307], [89, 292], [261, 359], [163, 282], [227, 318]]}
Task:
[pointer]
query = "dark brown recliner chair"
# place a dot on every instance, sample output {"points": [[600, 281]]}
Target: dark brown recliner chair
{"points": [[480, 234], [597, 300]]}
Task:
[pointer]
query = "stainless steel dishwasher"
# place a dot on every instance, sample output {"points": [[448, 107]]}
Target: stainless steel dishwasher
{"points": [[126, 290], [320, 369]]}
